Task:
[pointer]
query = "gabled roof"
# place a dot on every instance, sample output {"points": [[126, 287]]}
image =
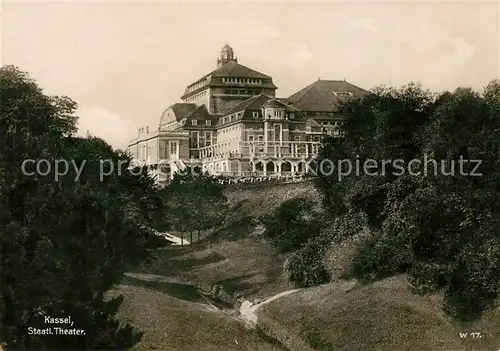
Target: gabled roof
{"points": [[230, 69], [234, 69], [200, 112], [182, 110], [324, 95], [274, 103], [254, 103]]}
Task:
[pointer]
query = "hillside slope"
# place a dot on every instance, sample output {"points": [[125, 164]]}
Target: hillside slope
{"points": [[170, 323], [230, 265], [383, 316]]}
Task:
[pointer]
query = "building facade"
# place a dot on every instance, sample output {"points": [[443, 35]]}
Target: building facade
{"points": [[231, 123]]}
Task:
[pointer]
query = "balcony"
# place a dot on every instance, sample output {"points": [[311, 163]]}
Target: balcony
{"points": [[259, 149]]}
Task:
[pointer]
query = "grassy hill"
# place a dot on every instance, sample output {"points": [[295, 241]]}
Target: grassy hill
{"points": [[170, 323], [169, 298], [187, 297], [381, 316]]}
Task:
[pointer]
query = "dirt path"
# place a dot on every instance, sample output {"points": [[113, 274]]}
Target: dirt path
{"points": [[246, 313], [247, 308]]}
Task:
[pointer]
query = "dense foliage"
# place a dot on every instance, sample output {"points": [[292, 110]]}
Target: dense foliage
{"points": [[195, 202], [438, 221], [305, 267], [292, 224], [64, 243], [295, 227]]}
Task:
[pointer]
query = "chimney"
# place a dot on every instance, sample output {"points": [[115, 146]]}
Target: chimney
{"points": [[147, 130]]}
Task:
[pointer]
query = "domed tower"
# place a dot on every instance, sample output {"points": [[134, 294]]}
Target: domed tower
{"points": [[226, 55]]}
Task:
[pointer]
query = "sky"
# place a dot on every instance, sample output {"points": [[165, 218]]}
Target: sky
{"points": [[124, 63]]}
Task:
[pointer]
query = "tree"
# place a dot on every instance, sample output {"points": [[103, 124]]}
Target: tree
{"points": [[292, 225], [65, 243], [195, 202], [212, 207], [439, 229]]}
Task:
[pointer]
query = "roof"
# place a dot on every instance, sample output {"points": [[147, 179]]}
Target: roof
{"points": [[182, 110], [200, 112], [230, 69], [324, 95], [234, 69], [274, 103], [254, 103]]}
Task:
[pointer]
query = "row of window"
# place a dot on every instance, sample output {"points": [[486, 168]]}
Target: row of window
{"points": [[194, 122], [260, 138], [197, 140], [242, 80], [197, 85], [196, 96], [343, 93], [232, 117], [227, 130], [328, 123], [242, 92]]}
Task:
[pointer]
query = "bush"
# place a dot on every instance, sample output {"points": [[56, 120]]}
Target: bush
{"points": [[382, 257], [340, 255], [292, 224], [305, 267]]}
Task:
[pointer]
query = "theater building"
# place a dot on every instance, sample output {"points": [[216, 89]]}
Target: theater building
{"points": [[230, 122]]}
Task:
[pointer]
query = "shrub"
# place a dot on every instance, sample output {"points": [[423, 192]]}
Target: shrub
{"points": [[292, 224], [305, 267]]}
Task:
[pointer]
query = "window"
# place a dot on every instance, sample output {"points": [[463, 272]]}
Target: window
{"points": [[296, 138], [194, 140], [316, 138], [277, 132], [194, 122], [208, 123], [255, 115], [183, 122], [261, 138], [208, 138], [173, 148], [250, 138]]}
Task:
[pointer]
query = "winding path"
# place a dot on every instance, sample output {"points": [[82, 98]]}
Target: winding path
{"points": [[247, 308]]}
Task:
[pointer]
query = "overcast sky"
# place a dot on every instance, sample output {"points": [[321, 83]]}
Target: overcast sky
{"points": [[125, 62]]}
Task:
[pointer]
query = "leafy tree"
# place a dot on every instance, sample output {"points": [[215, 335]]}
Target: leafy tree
{"points": [[196, 202], [305, 266], [441, 230], [65, 243], [293, 224]]}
